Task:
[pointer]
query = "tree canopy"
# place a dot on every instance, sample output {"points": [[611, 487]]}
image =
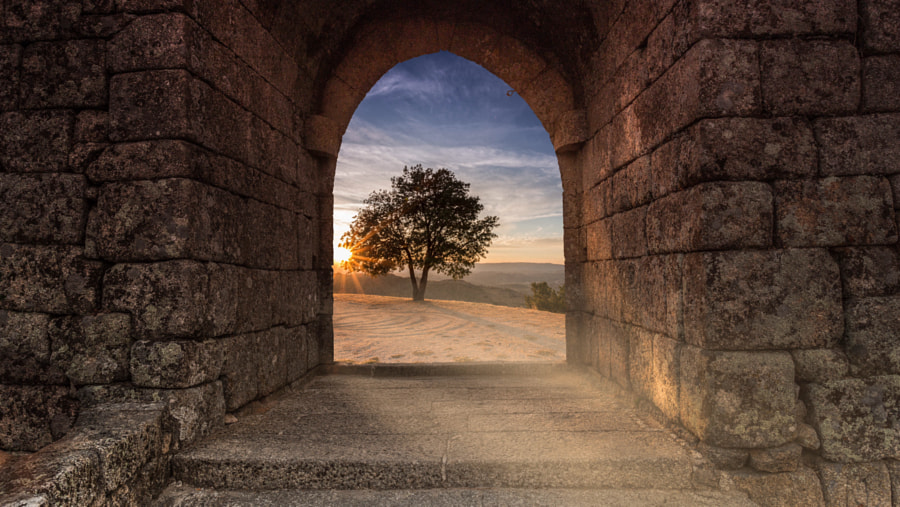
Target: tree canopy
{"points": [[427, 221]]}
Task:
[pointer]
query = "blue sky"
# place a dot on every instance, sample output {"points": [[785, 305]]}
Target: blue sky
{"points": [[441, 110]]}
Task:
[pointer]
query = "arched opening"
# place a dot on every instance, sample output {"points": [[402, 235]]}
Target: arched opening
{"points": [[443, 111], [539, 81]]}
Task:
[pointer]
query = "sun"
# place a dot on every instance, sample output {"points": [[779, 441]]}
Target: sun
{"points": [[342, 254]]}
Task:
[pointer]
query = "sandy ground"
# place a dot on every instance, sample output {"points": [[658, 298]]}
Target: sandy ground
{"points": [[397, 330]]}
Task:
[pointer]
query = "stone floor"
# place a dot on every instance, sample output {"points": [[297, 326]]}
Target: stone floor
{"points": [[461, 435]]}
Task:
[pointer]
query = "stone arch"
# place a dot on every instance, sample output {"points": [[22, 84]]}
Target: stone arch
{"points": [[379, 46]]}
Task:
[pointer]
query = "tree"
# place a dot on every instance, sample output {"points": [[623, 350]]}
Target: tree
{"points": [[427, 221], [543, 297]]}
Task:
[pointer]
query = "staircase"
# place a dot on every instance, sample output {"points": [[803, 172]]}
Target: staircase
{"points": [[441, 435]]}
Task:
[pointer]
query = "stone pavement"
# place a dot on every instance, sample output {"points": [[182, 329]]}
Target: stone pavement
{"points": [[442, 435]]}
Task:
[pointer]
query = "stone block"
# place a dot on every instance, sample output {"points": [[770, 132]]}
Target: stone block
{"points": [[873, 327], [880, 20], [25, 349], [92, 126], [152, 105], [640, 360], [820, 365], [125, 437], [711, 216], [64, 74], [787, 489], [244, 359], [92, 349], [35, 141], [860, 144], [809, 77], [172, 159], [870, 271], [61, 474], [741, 18], [881, 83], [738, 399], [649, 291], [33, 416], [158, 41], [714, 78], [856, 210], [894, 470], [784, 458], [53, 20], [175, 364], [50, 279], [191, 413], [166, 299], [42, 208], [776, 299], [629, 187], [866, 484], [627, 232], [599, 240], [619, 341], [10, 60], [179, 218], [735, 149], [666, 371], [857, 420]]}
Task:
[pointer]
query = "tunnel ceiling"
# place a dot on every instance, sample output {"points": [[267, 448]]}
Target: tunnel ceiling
{"points": [[566, 32]]}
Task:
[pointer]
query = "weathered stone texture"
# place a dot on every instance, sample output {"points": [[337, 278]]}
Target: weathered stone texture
{"points": [[880, 21], [881, 83], [25, 348], [33, 416], [42, 208], [178, 218], [735, 149], [52, 20], [10, 60], [92, 126], [52, 279], [738, 399], [175, 364], [787, 489], [872, 271], [784, 458], [820, 365], [855, 210], [175, 104], [730, 18], [762, 299], [35, 141], [191, 414], [711, 216], [180, 159], [64, 74], [92, 349], [179, 299], [873, 335], [866, 484], [857, 419], [860, 144], [257, 364], [809, 77]]}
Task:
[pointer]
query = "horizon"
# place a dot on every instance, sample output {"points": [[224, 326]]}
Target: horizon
{"points": [[441, 110]]}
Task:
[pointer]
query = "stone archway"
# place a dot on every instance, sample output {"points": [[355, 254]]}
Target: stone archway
{"points": [[382, 45], [731, 216]]}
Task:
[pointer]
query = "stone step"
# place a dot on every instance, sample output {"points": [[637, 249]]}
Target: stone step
{"points": [[185, 496], [418, 429]]}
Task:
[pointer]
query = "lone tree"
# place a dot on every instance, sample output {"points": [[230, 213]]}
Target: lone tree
{"points": [[427, 221]]}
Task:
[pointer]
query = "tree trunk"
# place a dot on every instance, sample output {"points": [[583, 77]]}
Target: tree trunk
{"points": [[418, 291], [423, 282]]}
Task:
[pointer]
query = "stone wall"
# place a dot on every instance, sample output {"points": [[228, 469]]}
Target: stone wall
{"points": [[161, 227], [740, 230]]}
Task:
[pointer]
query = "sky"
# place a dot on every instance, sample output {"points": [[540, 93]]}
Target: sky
{"points": [[441, 110]]}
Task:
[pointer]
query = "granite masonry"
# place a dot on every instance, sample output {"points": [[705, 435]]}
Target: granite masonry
{"points": [[731, 191]]}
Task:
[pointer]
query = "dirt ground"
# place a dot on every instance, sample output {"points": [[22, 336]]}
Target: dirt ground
{"points": [[385, 329]]}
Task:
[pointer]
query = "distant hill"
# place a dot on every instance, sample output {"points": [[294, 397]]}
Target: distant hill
{"points": [[504, 284]]}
